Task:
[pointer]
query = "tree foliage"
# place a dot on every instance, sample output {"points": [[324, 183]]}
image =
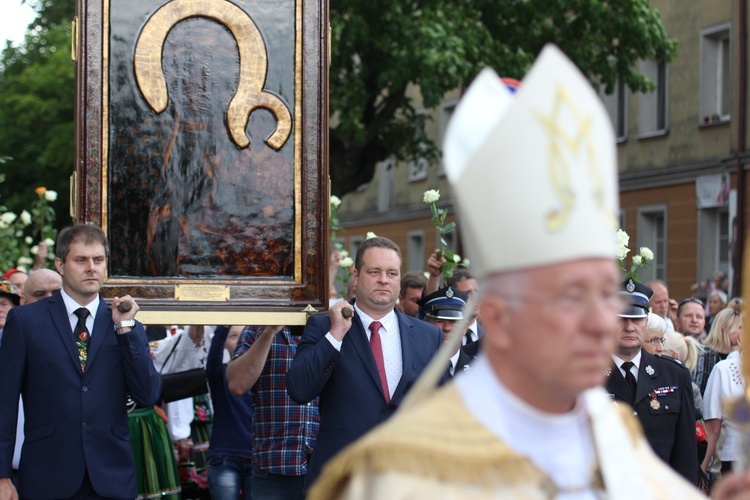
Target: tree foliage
{"points": [[381, 48], [37, 106]]}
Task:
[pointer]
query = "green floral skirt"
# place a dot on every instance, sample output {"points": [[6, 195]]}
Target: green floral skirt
{"points": [[156, 468]]}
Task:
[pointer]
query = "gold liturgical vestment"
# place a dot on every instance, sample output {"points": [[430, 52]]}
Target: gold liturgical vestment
{"points": [[439, 450]]}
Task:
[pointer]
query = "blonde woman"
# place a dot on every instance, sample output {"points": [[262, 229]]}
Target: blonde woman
{"points": [[687, 350], [721, 341], [725, 380]]}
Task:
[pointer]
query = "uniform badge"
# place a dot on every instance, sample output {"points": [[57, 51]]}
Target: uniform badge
{"points": [[630, 287], [649, 370], [608, 372], [449, 293], [467, 368], [655, 404]]}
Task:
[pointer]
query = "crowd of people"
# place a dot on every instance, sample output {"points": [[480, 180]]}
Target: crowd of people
{"points": [[537, 373]]}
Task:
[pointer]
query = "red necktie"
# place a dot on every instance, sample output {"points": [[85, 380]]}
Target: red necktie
{"points": [[377, 352]]}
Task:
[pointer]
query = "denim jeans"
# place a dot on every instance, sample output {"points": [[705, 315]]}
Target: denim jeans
{"points": [[267, 486], [227, 476]]}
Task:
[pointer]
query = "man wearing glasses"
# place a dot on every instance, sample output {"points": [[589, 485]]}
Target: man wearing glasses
{"points": [[657, 387], [691, 318]]}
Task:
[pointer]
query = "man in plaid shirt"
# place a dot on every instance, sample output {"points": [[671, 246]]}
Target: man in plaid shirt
{"points": [[284, 431]]}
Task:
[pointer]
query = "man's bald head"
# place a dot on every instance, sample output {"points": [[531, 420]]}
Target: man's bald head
{"points": [[42, 283], [660, 300]]}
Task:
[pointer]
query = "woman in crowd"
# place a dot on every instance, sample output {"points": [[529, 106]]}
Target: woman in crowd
{"points": [[687, 350], [722, 340], [653, 339], [717, 300], [725, 381]]}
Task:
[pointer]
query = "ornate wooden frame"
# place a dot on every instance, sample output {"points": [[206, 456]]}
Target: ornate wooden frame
{"points": [[301, 128]]}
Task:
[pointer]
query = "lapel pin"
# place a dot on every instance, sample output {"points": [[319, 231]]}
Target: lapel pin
{"points": [[650, 370]]}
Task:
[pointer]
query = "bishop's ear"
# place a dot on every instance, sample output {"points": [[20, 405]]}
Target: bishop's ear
{"points": [[496, 314]]}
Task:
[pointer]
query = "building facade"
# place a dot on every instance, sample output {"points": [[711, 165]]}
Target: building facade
{"points": [[680, 148]]}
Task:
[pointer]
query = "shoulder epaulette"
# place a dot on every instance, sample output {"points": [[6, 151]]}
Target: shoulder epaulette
{"points": [[673, 360]]}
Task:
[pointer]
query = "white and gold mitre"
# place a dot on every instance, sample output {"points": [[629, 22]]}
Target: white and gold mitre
{"points": [[534, 174]]}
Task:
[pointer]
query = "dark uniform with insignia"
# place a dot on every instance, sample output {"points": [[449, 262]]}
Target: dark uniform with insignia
{"points": [[663, 399], [447, 304]]}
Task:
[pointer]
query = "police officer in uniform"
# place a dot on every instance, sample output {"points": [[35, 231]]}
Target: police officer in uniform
{"points": [[444, 308], [658, 387]]}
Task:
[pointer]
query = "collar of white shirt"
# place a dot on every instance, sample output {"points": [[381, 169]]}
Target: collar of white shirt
{"points": [[71, 306], [389, 322], [636, 361]]}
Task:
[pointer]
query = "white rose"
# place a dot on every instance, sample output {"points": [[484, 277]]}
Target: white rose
{"points": [[50, 195], [346, 262], [647, 254], [637, 260], [622, 238], [34, 250], [621, 244], [23, 269], [26, 218], [49, 242], [456, 258], [622, 252], [335, 201], [431, 196], [343, 254], [8, 217], [370, 234], [24, 261], [28, 240], [466, 263]]}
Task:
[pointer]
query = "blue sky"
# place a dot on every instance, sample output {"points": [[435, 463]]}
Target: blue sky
{"points": [[14, 20]]}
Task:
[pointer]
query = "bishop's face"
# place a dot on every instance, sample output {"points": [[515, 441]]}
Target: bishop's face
{"points": [[549, 336]]}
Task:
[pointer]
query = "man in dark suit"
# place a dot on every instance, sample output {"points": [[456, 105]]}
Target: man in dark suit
{"points": [[444, 309], [360, 366], [74, 385], [658, 387]]}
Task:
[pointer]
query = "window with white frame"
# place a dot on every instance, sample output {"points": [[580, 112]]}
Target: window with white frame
{"points": [[418, 168], [616, 104], [714, 240], [446, 112], [652, 233], [652, 106], [716, 75], [415, 247]]}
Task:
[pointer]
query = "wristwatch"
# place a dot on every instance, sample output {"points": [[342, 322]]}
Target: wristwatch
{"points": [[129, 323]]}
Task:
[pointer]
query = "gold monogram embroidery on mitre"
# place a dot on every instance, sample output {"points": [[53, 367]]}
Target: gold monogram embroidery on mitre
{"points": [[253, 65], [578, 142]]}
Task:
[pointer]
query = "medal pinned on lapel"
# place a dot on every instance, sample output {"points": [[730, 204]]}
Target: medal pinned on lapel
{"points": [[649, 370], [655, 405]]}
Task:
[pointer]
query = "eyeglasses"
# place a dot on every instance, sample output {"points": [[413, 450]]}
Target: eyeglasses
{"points": [[656, 341], [691, 299]]}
